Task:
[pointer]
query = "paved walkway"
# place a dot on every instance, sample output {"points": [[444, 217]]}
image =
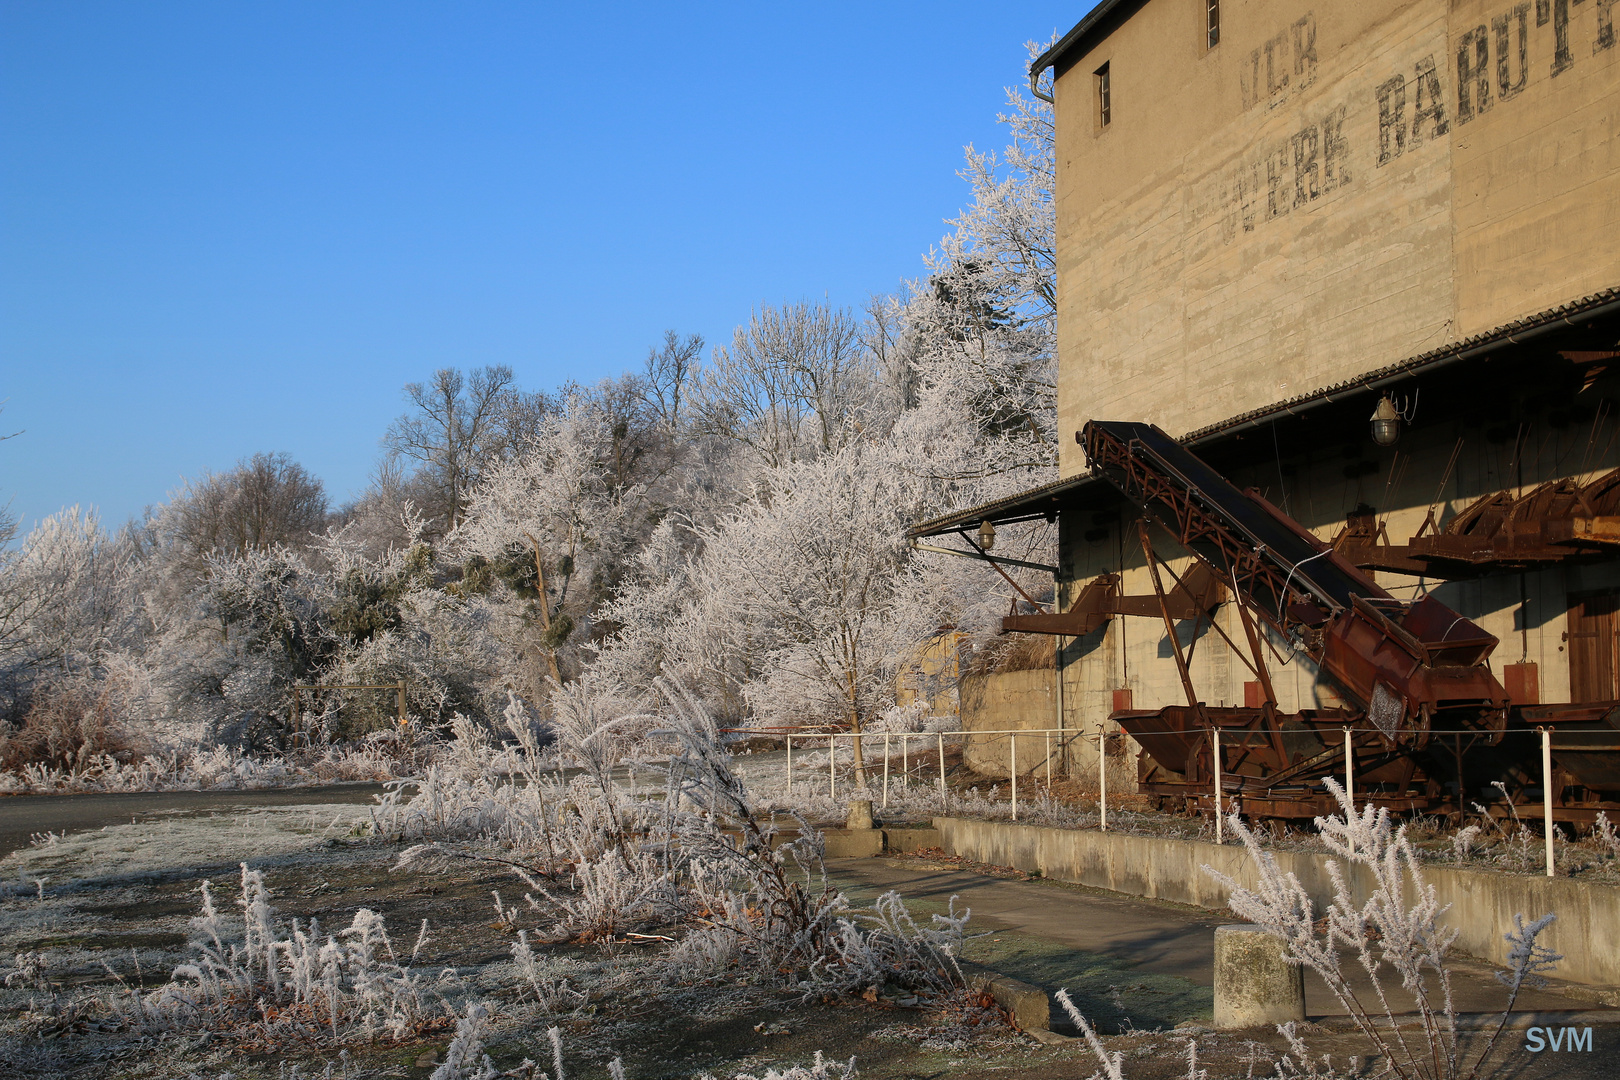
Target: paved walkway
{"points": [[1147, 962]]}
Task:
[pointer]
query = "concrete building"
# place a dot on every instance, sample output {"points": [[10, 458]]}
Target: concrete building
{"points": [[1272, 217]]}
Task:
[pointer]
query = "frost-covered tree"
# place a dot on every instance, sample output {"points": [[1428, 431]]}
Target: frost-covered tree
{"points": [[982, 326], [797, 598], [66, 602], [556, 521], [458, 425], [266, 500], [789, 384]]}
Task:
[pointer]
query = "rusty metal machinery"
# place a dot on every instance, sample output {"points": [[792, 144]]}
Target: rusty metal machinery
{"points": [[1558, 521], [1430, 722]]}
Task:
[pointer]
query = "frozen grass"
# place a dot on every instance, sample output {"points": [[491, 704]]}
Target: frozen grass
{"points": [[1396, 933], [209, 769], [257, 978], [182, 841]]}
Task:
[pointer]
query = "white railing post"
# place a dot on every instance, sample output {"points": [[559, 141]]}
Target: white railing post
{"points": [[1215, 757], [1349, 771], [1102, 773], [944, 802], [1013, 759], [790, 766], [885, 771], [1048, 760], [905, 765], [1547, 796], [832, 766]]}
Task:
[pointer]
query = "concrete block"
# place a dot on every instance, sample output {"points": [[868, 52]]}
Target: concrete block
{"points": [[1482, 902], [853, 843], [1254, 985], [910, 839], [860, 814], [1026, 1004]]}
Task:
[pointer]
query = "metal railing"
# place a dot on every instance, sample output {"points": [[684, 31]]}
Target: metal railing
{"points": [[1065, 736]]}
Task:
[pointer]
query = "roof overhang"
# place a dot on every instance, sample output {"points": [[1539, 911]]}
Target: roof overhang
{"points": [[1096, 24], [1089, 491]]}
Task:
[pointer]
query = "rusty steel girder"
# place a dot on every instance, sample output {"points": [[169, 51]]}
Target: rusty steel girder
{"points": [[1404, 665]]}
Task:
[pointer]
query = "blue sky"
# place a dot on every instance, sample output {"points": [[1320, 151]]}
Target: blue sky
{"points": [[234, 227]]}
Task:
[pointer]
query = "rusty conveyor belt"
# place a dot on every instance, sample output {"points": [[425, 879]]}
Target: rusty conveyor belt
{"points": [[1403, 664]]}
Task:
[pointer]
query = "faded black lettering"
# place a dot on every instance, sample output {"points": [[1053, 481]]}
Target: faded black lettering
{"points": [[1505, 86], [1249, 187], [1473, 60], [1276, 66], [1428, 103], [1335, 151], [1277, 162], [1307, 170], [1391, 119], [1305, 49], [1563, 59]]}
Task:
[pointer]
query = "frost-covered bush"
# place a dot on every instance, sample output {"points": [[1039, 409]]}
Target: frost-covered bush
{"points": [[292, 981]]}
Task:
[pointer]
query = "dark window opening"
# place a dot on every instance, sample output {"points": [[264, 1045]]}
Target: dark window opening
{"points": [[1105, 98], [1212, 22]]}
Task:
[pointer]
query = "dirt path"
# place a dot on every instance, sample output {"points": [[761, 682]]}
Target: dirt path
{"points": [[21, 816]]}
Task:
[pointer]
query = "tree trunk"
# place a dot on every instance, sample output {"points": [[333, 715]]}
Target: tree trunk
{"points": [[545, 611]]}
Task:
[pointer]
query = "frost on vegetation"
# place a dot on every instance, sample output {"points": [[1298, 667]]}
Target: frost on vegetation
{"points": [[766, 906], [1386, 935], [294, 982]]}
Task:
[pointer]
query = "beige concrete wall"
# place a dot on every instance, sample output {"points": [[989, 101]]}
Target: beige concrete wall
{"points": [[1004, 701], [1297, 205], [1482, 904]]}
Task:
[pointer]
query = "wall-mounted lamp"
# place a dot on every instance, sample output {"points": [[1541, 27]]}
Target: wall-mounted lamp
{"points": [[1388, 418], [987, 535]]}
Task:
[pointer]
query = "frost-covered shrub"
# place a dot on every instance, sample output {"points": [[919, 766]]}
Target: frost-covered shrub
{"points": [[295, 980]]}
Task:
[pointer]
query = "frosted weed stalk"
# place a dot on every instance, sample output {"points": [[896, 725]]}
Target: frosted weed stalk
{"points": [[770, 906], [1383, 933], [295, 983]]}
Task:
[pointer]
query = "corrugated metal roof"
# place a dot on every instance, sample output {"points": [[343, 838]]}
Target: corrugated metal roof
{"points": [[1046, 499], [1508, 333], [1055, 496]]}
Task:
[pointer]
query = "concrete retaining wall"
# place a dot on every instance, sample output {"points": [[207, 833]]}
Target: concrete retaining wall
{"points": [[1003, 701], [1482, 904]]}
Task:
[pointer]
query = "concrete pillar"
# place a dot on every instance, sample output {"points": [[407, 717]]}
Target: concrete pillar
{"points": [[1254, 985], [860, 814]]}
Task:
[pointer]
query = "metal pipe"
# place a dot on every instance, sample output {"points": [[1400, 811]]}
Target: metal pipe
{"points": [[1546, 796], [1013, 763], [885, 771], [1002, 559], [1349, 771], [1102, 774], [1057, 676]]}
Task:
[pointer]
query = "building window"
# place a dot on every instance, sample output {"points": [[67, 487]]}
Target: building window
{"points": [[1105, 98], [1212, 23]]}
